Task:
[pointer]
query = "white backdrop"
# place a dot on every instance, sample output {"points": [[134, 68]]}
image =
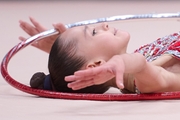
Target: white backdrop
{"points": [[15, 104]]}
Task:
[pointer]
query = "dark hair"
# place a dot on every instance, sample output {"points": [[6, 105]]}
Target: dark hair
{"points": [[64, 61]]}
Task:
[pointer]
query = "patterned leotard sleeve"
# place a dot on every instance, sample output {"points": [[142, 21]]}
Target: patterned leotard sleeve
{"points": [[165, 45]]}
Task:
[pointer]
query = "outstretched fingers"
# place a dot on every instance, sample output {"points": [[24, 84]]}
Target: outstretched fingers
{"points": [[89, 72], [79, 84], [72, 78], [82, 78], [37, 25], [29, 29], [84, 74]]}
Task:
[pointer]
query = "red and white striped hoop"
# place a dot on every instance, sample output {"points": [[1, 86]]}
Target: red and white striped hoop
{"points": [[74, 96]]}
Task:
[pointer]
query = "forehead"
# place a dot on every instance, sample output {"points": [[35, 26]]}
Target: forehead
{"points": [[71, 35], [73, 32]]}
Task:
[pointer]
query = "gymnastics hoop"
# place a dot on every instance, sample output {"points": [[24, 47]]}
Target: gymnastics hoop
{"points": [[78, 96]]}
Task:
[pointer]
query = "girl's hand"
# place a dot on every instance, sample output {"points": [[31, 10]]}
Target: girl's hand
{"points": [[98, 75], [46, 43]]}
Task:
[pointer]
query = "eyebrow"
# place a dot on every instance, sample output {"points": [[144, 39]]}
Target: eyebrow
{"points": [[85, 30]]}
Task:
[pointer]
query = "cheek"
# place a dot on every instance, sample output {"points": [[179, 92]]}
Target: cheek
{"points": [[109, 45], [107, 41]]}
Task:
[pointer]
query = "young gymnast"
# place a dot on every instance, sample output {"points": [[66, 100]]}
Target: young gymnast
{"points": [[91, 59]]}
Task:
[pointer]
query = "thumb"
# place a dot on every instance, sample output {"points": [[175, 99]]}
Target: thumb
{"points": [[60, 27], [119, 80]]}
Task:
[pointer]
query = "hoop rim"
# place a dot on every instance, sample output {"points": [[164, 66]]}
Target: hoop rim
{"points": [[78, 96]]}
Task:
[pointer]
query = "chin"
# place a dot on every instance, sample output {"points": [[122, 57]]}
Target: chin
{"points": [[126, 35]]}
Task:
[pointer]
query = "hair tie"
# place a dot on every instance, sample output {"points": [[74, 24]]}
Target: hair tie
{"points": [[47, 83]]}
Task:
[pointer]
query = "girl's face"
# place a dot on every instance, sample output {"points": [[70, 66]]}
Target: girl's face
{"points": [[99, 42]]}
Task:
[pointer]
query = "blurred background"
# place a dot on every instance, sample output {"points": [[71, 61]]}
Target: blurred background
{"points": [[18, 105]]}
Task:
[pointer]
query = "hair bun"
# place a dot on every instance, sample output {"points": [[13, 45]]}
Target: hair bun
{"points": [[37, 80]]}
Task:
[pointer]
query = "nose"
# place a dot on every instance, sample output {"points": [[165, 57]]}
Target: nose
{"points": [[105, 26]]}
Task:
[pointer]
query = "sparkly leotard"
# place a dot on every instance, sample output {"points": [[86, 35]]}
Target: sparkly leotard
{"points": [[165, 45]]}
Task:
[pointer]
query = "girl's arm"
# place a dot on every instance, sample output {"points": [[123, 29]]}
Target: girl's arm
{"points": [[157, 79], [44, 44], [148, 77], [115, 67]]}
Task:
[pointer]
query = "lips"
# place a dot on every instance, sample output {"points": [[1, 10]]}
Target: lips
{"points": [[115, 31]]}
